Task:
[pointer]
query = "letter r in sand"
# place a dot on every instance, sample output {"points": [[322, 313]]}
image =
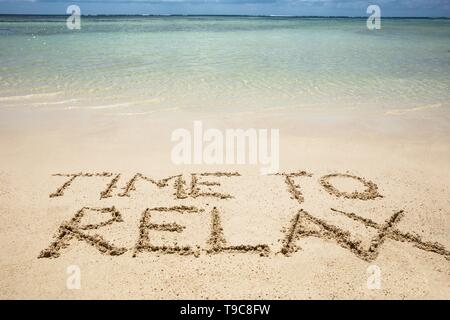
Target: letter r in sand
{"points": [[144, 244], [72, 229]]}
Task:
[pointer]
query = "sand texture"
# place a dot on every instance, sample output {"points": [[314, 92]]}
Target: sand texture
{"points": [[101, 194]]}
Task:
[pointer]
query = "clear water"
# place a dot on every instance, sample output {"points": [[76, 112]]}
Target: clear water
{"points": [[135, 64]]}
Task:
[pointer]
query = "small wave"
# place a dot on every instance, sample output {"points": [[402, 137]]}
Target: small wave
{"points": [[106, 106], [29, 96], [114, 105], [127, 114], [415, 109], [37, 104]]}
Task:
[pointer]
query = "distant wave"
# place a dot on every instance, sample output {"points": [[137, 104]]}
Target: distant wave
{"points": [[32, 16]]}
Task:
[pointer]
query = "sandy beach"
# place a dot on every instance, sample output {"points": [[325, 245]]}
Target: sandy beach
{"points": [[93, 205], [257, 253]]}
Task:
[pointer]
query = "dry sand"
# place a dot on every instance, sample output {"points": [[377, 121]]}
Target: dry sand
{"points": [[302, 234]]}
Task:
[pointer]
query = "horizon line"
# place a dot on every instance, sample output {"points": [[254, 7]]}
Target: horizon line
{"points": [[222, 15]]}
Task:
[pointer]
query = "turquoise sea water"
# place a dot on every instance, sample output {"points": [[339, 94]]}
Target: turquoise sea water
{"points": [[139, 64]]}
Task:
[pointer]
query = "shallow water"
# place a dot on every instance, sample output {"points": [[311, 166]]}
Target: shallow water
{"points": [[140, 64]]}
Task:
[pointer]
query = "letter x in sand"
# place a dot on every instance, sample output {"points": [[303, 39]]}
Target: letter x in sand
{"points": [[306, 225]]}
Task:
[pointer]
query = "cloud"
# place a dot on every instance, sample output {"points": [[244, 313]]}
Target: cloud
{"points": [[327, 3]]}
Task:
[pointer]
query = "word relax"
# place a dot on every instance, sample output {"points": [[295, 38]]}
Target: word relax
{"points": [[303, 224]]}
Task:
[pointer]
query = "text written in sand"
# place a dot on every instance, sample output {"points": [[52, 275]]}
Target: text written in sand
{"points": [[207, 185]]}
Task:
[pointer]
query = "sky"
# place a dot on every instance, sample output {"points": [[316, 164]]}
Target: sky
{"points": [[398, 8]]}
